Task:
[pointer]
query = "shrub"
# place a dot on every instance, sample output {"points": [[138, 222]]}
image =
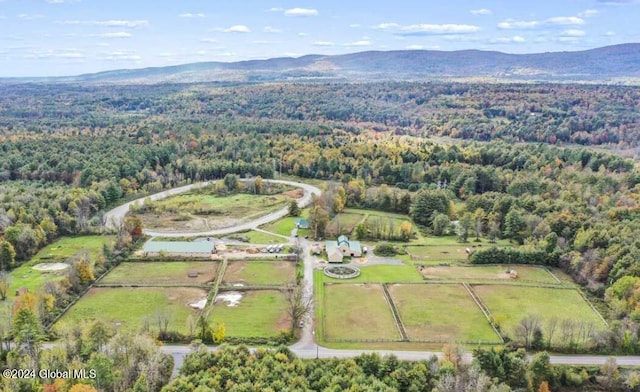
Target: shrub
{"points": [[384, 249]]}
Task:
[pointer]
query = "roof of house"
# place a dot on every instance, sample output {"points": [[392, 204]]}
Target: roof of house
{"points": [[179, 246], [354, 246], [335, 255]]}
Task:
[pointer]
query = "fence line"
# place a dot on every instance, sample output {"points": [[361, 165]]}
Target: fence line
{"points": [[395, 313], [484, 310]]}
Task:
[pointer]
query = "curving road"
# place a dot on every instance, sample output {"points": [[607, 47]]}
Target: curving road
{"points": [[114, 218]]}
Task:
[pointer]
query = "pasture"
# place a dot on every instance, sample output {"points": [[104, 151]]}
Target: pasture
{"points": [[343, 223], [357, 312], [441, 312], [260, 272], [510, 304], [257, 314], [197, 210], [132, 309], [162, 272], [488, 272]]}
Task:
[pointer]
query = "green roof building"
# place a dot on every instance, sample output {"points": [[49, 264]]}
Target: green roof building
{"points": [[337, 250]]}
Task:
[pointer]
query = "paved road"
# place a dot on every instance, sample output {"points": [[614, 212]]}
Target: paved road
{"points": [[112, 219]]}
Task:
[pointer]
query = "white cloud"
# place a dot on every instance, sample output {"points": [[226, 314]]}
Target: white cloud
{"points": [[64, 54], [588, 13], [119, 34], [517, 24], [566, 20], [269, 29], [415, 47], [429, 29], [573, 33], [323, 43], [119, 55], [209, 40], [302, 34], [275, 9], [189, 15], [517, 39], [363, 42], [62, 1], [106, 23], [301, 12], [234, 29], [30, 17], [609, 34], [355, 25], [262, 42], [531, 24], [482, 11]]}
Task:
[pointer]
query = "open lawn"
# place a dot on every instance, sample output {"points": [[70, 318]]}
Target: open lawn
{"points": [[441, 312], [488, 272], [129, 308], [510, 304], [282, 226], [343, 223], [260, 272], [59, 251], [384, 274], [162, 272], [259, 314], [357, 312], [70, 246], [258, 237], [446, 249], [196, 210]]}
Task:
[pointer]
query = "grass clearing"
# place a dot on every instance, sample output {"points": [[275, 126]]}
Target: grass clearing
{"points": [[282, 226], [260, 272], [258, 237], [162, 272], [489, 272], [198, 210], [446, 250], [441, 312], [259, 314], [129, 309], [384, 274], [510, 304], [357, 312], [343, 223], [59, 251]]}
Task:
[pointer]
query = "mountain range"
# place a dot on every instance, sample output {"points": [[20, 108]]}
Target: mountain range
{"points": [[613, 64]]}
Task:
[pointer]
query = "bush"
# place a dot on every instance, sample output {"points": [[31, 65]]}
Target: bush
{"points": [[384, 249]]}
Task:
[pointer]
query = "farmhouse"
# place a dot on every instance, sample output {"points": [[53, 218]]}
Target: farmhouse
{"points": [[179, 248], [336, 250]]}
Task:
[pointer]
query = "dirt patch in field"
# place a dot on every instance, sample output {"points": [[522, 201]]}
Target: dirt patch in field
{"points": [[294, 193], [185, 295], [236, 271]]}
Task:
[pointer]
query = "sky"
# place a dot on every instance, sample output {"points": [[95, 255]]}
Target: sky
{"points": [[71, 37]]}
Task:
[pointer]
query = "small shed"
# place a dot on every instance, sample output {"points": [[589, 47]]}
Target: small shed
{"points": [[302, 223]]}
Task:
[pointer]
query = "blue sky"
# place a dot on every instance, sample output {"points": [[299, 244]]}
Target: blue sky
{"points": [[69, 37]]}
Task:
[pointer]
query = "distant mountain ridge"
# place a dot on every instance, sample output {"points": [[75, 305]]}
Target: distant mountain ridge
{"points": [[607, 64]]}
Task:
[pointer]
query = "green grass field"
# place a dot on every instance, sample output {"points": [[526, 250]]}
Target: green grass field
{"points": [[25, 276], [129, 308], [489, 272], [282, 226], [510, 304], [343, 223], [260, 272], [258, 237], [383, 274], [69, 246], [357, 312], [197, 210], [162, 272], [441, 312], [259, 314], [446, 249]]}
